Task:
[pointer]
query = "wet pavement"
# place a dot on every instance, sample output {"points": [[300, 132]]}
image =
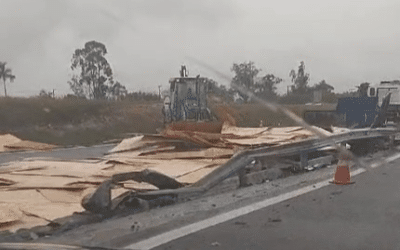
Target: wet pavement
{"points": [[364, 215], [74, 153]]}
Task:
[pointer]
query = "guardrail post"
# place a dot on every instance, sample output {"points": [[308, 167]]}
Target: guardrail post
{"points": [[303, 160]]}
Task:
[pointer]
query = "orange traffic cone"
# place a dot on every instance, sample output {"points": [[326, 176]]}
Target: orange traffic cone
{"points": [[342, 175]]}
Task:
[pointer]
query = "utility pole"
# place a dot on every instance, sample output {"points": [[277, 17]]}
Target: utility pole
{"points": [[159, 92], [53, 93]]}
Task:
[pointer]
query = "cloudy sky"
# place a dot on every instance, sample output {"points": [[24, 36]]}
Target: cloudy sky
{"points": [[345, 42]]}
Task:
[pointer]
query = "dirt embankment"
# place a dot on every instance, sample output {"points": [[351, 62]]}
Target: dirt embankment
{"points": [[76, 122], [255, 115], [89, 122]]}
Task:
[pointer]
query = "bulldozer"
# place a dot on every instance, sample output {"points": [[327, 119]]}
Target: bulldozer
{"points": [[186, 107]]}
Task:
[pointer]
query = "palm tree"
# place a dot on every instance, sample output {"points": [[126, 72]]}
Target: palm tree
{"points": [[5, 73]]}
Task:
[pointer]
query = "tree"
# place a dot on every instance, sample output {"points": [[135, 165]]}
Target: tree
{"points": [[118, 91], [363, 89], [323, 92], [220, 91], [5, 73], [77, 87], [244, 77], [141, 96], [266, 86], [300, 79], [324, 87], [44, 94], [94, 78]]}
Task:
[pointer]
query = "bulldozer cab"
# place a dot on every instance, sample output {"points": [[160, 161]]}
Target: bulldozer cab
{"points": [[188, 98]]}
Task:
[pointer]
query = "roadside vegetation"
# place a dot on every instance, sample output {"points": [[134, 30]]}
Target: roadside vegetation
{"points": [[101, 108], [77, 121]]}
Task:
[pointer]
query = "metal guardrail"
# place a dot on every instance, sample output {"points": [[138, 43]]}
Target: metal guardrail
{"points": [[310, 145], [244, 158]]}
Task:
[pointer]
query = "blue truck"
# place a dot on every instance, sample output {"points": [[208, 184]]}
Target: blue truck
{"points": [[379, 107]]}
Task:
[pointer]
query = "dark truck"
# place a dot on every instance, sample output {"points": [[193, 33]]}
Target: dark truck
{"points": [[352, 112]]}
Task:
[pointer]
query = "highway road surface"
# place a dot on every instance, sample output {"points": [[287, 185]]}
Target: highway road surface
{"points": [[73, 153], [364, 215]]}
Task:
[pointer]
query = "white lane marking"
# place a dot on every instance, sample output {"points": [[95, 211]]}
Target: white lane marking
{"points": [[375, 165], [195, 227], [387, 160], [393, 158]]}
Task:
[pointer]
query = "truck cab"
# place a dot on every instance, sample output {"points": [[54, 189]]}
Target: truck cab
{"points": [[381, 90]]}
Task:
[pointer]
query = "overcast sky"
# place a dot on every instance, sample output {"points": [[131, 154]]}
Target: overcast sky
{"points": [[344, 42]]}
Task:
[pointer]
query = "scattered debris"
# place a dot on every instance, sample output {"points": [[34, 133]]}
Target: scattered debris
{"points": [[9, 142], [336, 193], [30, 145], [260, 177], [135, 227], [215, 244], [100, 200], [7, 139], [274, 220], [148, 171]]}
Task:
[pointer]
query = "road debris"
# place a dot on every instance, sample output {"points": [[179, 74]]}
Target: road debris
{"points": [[216, 244], [138, 175], [9, 142], [7, 139]]}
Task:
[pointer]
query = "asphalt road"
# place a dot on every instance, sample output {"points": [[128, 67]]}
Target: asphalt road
{"points": [[75, 153], [364, 215]]}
